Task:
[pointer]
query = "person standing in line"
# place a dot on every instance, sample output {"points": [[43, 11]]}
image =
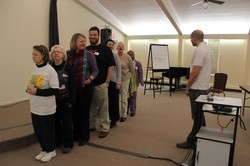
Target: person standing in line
{"points": [[86, 71], [135, 81], [65, 98], [127, 69], [42, 89], [105, 62], [114, 88], [198, 84]]}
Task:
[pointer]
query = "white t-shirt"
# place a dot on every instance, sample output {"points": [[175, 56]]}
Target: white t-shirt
{"points": [[202, 57], [43, 78]]}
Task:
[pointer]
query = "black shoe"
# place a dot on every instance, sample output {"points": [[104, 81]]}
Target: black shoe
{"points": [[82, 143], [66, 150], [184, 145], [132, 114], [112, 125], [103, 134], [122, 119]]}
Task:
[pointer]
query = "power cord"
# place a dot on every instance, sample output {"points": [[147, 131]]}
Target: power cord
{"points": [[186, 157], [242, 124], [140, 154], [223, 127]]}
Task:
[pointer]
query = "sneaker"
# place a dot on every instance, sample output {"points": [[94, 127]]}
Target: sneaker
{"points": [[40, 155], [48, 156]]}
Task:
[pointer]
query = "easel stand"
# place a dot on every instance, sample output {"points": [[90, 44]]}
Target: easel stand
{"points": [[158, 61]]}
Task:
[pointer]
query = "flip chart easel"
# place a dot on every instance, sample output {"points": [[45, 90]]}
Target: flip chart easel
{"points": [[158, 61]]}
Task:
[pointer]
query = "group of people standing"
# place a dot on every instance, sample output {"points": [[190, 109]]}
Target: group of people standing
{"points": [[70, 91]]}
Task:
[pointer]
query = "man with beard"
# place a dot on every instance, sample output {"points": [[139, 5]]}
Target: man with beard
{"points": [[105, 62]]}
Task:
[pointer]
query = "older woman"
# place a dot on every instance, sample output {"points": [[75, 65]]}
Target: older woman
{"points": [[65, 98], [42, 89], [86, 70], [127, 68]]}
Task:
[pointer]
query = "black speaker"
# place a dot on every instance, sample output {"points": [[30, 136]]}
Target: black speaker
{"points": [[106, 34]]}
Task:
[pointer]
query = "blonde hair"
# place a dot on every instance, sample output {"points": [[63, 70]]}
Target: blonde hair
{"points": [[62, 49], [73, 40]]}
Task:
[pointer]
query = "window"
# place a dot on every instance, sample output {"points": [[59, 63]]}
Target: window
{"points": [[214, 44]]}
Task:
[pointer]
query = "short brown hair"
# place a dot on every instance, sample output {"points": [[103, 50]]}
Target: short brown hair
{"points": [[44, 51], [198, 34], [95, 29]]}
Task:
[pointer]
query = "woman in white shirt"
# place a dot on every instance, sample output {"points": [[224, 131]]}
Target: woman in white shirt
{"points": [[42, 88]]}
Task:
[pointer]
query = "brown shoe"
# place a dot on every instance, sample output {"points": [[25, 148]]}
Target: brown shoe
{"points": [[184, 145], [103, 134], [122, 119]]}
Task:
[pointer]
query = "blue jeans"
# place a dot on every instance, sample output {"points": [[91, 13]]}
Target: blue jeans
{"points": [[197, 114]]}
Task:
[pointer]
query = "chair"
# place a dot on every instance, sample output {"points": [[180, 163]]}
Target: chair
{"points": [[220, 81], [157, 83]]}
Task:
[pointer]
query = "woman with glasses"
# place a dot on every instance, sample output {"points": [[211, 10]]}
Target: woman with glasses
{"points": [[65, 98]]}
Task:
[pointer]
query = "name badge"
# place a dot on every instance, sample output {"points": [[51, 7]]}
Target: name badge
{"points": [[96, 53]]}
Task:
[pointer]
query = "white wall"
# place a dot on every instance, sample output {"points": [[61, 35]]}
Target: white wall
{"points": [[25, 23]]}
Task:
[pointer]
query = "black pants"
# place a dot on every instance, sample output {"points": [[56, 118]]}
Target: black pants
{"points": [[64, 124], [113, 96], [81, 113], [44, 128], [197, 114]]}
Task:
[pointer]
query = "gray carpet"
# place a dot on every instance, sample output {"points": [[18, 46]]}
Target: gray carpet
{"points": [[158, 125]]}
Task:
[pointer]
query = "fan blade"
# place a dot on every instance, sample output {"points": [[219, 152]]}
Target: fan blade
{"points": [[216, 1], [197, 3]]}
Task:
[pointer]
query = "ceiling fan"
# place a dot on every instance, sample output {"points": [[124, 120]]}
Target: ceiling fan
{"points": [[205, 3]]}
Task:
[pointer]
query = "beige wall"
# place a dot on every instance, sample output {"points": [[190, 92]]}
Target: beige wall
{"points": [[141, 49], [232, 60], [232, 57], [73, 18], [25, 23]]}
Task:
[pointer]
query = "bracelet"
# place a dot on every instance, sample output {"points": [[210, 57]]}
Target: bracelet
{"points": [[91, 79]]}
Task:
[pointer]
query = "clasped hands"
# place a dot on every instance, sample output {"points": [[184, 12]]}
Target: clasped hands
{"points": [[31, 90]]}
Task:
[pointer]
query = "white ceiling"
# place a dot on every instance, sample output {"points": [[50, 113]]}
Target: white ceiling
{"points": [[172, 17]]}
